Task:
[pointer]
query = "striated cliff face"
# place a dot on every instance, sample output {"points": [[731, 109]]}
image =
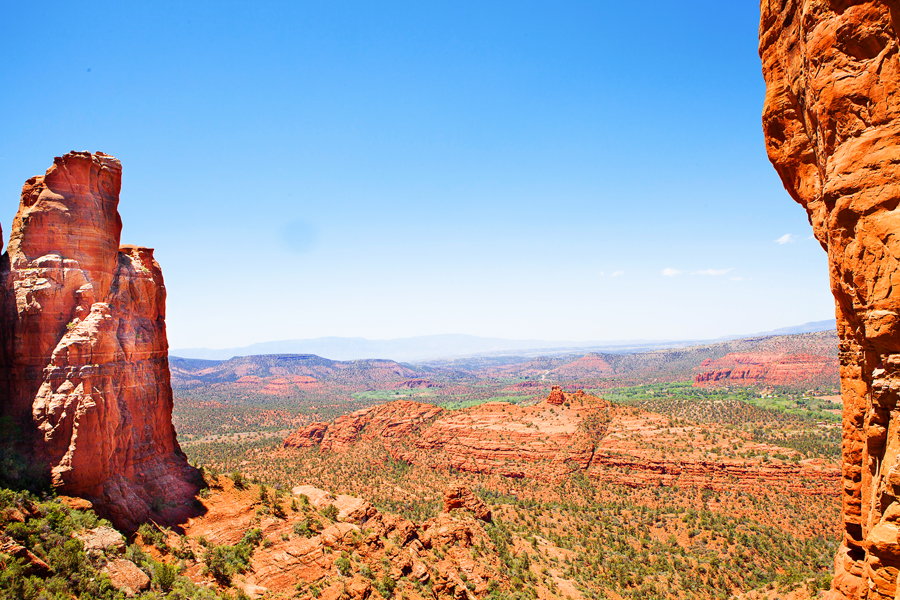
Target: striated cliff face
{"points": [[768, 368], [85, 369], [832, 129]]}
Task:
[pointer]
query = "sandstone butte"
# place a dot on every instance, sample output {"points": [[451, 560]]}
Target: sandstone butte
{"points": [[565, 433], [831, 122], [85, 376]]}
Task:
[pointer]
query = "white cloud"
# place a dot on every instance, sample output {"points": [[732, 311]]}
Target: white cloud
{"points": [[617, 273], [786, 238], [714, 271], [671, 272]]}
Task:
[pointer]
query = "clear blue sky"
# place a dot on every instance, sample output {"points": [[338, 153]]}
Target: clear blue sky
{"points": [[389, 169]]}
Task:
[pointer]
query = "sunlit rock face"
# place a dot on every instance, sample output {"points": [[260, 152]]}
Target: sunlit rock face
{"points": [[85, 368], [833, 134]]}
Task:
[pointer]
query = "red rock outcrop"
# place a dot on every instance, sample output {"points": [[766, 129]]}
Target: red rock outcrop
{"points": [[85, 367], [547, 441], [462, 497], [303, 547], [748, 368], [398, 420], [306, 437], [832, 130], [556, 397]]}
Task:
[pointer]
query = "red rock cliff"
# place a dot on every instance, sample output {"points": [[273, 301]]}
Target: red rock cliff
{"points": [[832, 129], [85, 369]]}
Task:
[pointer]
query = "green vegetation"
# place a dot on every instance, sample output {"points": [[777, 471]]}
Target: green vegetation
{"points": [[783, 418], [45, 527], [458, 404], [713, 403]]}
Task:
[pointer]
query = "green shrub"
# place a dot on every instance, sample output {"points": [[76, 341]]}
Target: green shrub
{"points": [[343, 565], [301, 528], [330, 512], [164, 576], [386, 586], [223, 562]]}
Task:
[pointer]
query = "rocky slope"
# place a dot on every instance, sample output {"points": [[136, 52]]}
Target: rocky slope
{"points": [[353, 551], [84, 368], [832, 130], [565, 433]]}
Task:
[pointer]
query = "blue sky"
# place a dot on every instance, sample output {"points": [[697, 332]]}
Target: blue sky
{"points": [[566, 170]]}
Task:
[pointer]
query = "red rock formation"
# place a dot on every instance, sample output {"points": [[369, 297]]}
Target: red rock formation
{"points": [[437, 552], [462, 497], [306, 437], [547, 441], [86, 369], [832, 129], [556, 397], [746, 368], [399, 420]]}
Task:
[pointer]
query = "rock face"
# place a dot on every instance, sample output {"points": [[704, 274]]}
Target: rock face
{"points": [[832, 129], [85, 370], [759, 368], [398, 420]]}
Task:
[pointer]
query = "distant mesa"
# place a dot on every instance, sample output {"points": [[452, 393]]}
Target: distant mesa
{"points": [[806, 359], [84, 364], [746, 369]]}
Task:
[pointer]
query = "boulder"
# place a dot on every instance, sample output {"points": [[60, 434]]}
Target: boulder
{"points": [[126, 576]]}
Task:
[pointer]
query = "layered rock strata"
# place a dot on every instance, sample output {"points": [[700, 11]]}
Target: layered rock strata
{"points": [[832, 130], [563, 434], [762, 368], [85, 370]]}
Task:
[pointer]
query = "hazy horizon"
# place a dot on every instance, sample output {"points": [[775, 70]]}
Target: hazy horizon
{"points": [[512, 170], [429, 347]]}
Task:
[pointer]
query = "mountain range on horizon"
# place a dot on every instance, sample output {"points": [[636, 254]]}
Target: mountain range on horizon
{"points": [[431, 347]]}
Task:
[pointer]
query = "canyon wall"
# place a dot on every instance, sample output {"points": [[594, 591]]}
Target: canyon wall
{"points": [[832, 129], [85, 370]]}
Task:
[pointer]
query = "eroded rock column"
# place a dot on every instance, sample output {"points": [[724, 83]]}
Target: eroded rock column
{"points": [[85, 366]]}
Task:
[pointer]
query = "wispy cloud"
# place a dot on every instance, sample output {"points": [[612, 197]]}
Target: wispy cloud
{"points": [[671, 272], [617, 273], [714, 272], [786, 239]]}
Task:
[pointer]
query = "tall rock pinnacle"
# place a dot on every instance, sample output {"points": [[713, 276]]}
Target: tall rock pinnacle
{"points": [[832, 129], [85, 367]]}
